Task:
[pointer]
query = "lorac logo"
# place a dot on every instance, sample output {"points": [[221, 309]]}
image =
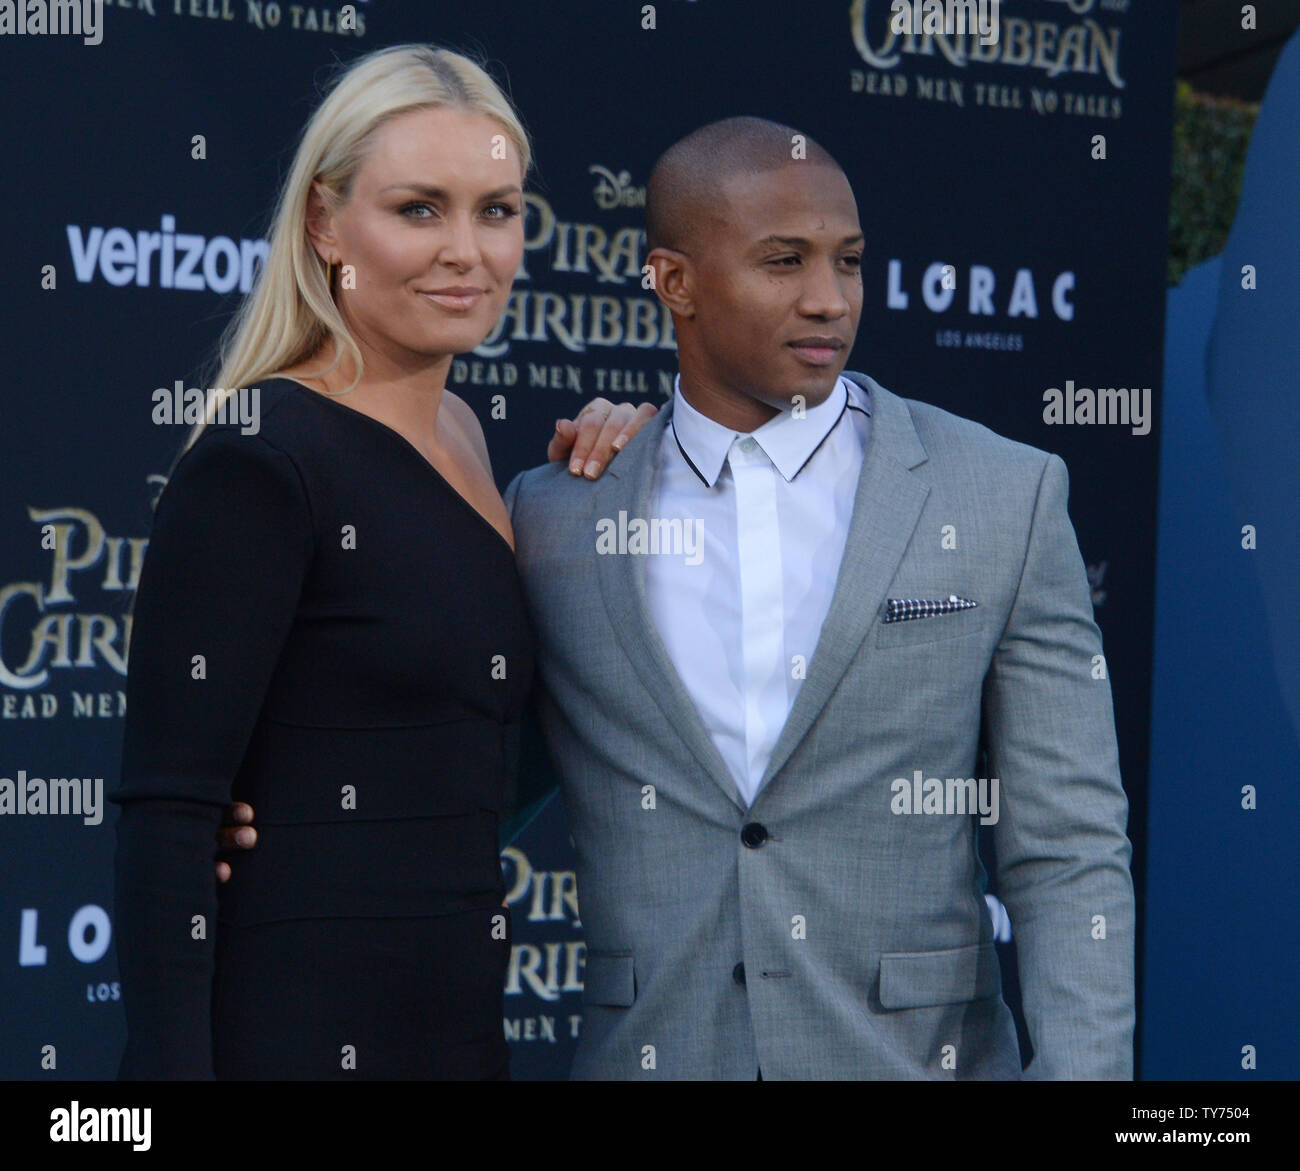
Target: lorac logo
{"points": [[42, 619], [1083, 46]]}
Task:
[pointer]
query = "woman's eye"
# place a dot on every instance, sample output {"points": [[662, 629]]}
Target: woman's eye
{"points": [[853, 261], [785, 260], [504, 209], [413, 207]]}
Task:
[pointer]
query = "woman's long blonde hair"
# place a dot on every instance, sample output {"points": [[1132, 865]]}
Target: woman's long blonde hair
{"points": [[290, 312]]}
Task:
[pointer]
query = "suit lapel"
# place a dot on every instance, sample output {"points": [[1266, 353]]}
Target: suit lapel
{"points": [[628, 485], [886, 510]]}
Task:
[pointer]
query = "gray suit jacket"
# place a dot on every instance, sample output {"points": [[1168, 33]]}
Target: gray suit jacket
{"points": [[825, 933]]}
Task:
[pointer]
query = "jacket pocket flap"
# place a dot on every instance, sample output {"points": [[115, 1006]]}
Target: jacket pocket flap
{"points": [[610, 979], [936, 628], [914, 979]]}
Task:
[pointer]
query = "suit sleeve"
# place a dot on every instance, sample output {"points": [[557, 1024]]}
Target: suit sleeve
{"points": [[1062, 851], [227, 557], [511, 494]]}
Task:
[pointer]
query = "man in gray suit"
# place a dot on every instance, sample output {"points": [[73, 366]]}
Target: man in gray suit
{"points": [[773, 639]]}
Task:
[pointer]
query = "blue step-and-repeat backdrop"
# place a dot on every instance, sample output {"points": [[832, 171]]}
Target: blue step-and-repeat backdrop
{"points": [[1014, 198]]}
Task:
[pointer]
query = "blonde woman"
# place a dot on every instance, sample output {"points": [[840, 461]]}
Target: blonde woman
{"points": [[329, 625]]}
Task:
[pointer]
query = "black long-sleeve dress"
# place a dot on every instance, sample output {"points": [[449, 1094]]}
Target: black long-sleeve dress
{"points": [[325, 629]]}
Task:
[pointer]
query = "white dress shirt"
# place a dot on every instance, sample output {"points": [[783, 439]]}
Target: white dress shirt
{"points": [[740, 626]]}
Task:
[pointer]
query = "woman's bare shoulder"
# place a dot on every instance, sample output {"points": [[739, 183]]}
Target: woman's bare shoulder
{"points": [[467, 423]]}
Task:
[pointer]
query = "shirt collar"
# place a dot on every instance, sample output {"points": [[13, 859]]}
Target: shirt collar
{"points": [[788, 442]]}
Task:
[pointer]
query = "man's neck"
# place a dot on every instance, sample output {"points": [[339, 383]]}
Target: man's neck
{"points": [[728, 408]]}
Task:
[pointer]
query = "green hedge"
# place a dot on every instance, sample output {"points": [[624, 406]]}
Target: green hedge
{"points": [[1210, 139]]}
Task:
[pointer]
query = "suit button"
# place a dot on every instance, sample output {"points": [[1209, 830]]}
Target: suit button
{"points": [[753, 835], [738, 973]]}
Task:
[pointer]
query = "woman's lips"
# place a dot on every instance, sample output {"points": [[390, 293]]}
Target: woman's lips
{"points": [[457, 300]]}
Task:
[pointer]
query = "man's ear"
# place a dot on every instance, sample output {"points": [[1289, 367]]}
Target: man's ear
{"points": [[320, 225], [674, 280]]}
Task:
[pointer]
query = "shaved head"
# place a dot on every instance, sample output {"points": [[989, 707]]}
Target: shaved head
{"points": [[756, 250], [683, 193]]}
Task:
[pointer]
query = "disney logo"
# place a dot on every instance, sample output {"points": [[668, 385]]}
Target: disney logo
{"points": [[615, 190]]}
